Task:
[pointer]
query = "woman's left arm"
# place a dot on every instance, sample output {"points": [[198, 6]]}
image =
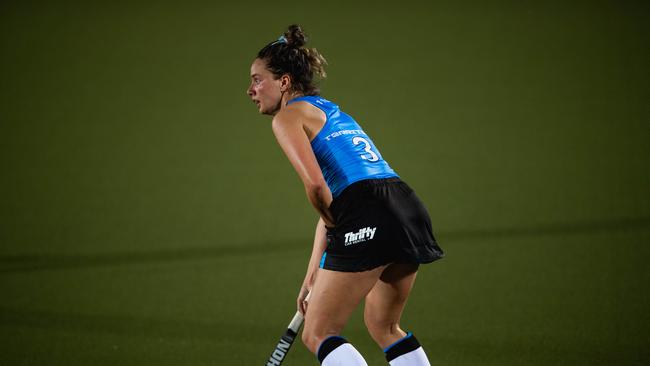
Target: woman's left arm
{"points": [[320, 244], [293, 140]]}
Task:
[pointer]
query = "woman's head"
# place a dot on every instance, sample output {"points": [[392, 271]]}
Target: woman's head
{"points": [[284, 67]]}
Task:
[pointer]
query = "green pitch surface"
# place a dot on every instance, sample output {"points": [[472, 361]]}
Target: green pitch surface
{"points": [[148, 217]]}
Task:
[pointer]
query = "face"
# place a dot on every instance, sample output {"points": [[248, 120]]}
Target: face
{"points": [[265, 90]]}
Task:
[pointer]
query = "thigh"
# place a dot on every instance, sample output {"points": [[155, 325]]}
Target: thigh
{"points": [[385, 302], [333, 298]]}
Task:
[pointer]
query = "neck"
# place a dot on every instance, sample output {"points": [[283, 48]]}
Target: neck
{"points": [[286, 97]]}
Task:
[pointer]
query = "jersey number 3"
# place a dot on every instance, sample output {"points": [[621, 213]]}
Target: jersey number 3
{"points": [[371, 154]]}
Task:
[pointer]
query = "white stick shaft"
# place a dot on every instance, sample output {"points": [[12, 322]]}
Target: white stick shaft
{"points": [[297, 320]]}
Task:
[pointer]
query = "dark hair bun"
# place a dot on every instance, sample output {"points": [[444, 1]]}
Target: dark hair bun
{"points": [[295, 36], [288, 55]]}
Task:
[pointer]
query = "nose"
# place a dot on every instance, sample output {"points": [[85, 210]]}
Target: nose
{"points": [[249, 91]]}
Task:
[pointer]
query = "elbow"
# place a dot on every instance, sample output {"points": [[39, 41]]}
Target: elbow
{"points": [[320, 197], [316, 189]]}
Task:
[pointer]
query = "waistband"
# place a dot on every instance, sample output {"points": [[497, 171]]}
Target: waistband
{"points": [[360, 185], [374, 181]]}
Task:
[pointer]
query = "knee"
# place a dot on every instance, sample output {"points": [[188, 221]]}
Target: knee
{"points": [[308, 339], [312, 338]]}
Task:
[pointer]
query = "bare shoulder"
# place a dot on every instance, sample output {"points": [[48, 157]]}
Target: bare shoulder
{"points": [[297, 113], [301, 114], [287, 118], [307, 109]]}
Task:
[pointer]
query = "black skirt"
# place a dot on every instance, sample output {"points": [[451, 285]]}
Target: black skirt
{"points": [[377, 222]]}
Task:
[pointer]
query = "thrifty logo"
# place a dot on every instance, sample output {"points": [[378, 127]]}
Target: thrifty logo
{"points": [[364, 234]]}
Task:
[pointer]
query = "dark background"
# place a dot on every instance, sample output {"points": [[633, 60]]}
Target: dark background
{"points": [[148, 216]]}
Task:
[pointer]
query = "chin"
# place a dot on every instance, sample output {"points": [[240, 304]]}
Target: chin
{"points": [[267, 112]]}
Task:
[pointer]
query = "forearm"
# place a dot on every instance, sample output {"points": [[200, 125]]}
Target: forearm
{"points": [[320, 244]]}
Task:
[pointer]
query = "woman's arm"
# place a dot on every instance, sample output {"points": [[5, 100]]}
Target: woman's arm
{"points": [[320, 244], [293, 140]]}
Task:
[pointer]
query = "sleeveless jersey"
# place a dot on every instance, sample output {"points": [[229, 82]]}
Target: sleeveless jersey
{"points": [[344, 152]]}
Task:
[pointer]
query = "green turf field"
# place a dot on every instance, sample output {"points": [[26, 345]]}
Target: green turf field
{"points": [[149, 218]]}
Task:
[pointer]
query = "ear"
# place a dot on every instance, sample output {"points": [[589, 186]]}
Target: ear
{"points": [[285, 82]]}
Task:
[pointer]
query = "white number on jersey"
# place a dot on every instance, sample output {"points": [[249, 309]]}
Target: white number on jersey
{"points": [[372, 156]]}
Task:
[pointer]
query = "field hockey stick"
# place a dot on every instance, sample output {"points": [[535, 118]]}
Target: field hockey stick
{"points": [[281, 350]]}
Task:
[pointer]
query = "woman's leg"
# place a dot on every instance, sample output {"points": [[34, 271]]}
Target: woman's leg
{"points": [[385, 303], [382, 313], [333, 298]]}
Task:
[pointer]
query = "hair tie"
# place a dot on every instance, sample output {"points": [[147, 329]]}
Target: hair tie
{"points": [[282, 39]]}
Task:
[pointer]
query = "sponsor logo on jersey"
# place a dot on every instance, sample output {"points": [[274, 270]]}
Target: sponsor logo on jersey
{"points": [[367, 233], [344, 132]]}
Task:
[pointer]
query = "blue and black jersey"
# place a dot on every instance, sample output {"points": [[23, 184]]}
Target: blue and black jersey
{"points": [[344, 151]]}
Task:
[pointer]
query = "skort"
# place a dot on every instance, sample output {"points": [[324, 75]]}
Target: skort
{"points": [[377, 222]]}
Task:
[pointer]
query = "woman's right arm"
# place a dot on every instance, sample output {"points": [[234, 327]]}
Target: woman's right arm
{"points": [[294, 142]]}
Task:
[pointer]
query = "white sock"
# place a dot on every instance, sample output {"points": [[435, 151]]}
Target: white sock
{"points": [[344, 355], [406, 352], [336, 351], [414, 358]]}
